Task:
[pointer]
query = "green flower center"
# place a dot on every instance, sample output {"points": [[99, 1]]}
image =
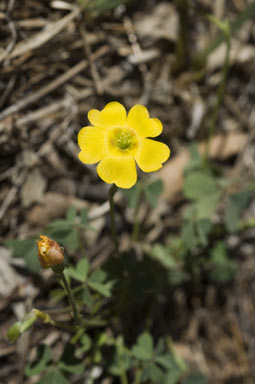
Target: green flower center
{"points": [[124, 138]]}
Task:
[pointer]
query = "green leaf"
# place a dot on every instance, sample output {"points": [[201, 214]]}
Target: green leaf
{"points": [[71, 240], [177, 248], [196, 159], [152, 372], [143, 350], [190, 212], [163, 256], [87, 298], [42, 360], [206, 205], [173, 376], [203, 230], [60, 225], [121, 361], [133, 195], [103, 289], [76, 369], [235, 207], [153, 191], [188, 234], [71, 214], [198, 184], [54, 377], [79, 273], [98, 276], [84, 216], [177, 277], [195, 378], [19, 247], [27, 250], [86, 342], [58, 293], [223, 269], [167, 361], [69, 362], [83, 268], [160, 347]]}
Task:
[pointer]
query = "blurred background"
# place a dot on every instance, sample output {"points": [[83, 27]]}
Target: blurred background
{"points": [[189, 275]]}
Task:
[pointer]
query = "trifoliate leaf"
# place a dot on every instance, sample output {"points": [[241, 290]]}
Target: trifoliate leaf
{"points": [[143, 350], [53, 378], [153, 191], [199, 184], [235, 208], [42, 360]]}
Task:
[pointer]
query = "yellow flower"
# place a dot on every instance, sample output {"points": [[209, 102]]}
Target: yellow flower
{"points": [[118, 141], [50, 253]]}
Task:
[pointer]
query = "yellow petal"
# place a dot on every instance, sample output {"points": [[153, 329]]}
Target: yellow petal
{"points": [[92, 143], [139, 119], [113, 115], [118, 170], [151, 155]]}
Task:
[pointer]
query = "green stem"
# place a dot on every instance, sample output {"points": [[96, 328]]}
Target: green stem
{"points": [[138, 375], [123, 373], [220, 92], [247, 14], [47, 319], [123, 377], [71, 298], [136, 226], [112, 192], [81, 245], [63, 325]]}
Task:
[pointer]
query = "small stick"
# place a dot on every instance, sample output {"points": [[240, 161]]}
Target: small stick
{"points": [[93, 69], [31, 98]]}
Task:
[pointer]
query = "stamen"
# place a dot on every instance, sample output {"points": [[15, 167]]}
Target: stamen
{"points": [[124, 138]]}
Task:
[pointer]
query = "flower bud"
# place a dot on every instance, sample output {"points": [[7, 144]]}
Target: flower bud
{"points": [[18, 328], [41, 315], [14, 332], [50, 253]]}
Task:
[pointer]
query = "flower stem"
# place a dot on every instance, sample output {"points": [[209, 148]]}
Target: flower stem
{"points": [[123, 373], [136, 226], [123, 377], [112, 192], [81, 245], [47, 319], [138, 375], [221, 88], [71, 298]]}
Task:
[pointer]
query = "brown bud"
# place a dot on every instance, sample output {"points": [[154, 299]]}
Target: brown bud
{"points": [[49, 252]]}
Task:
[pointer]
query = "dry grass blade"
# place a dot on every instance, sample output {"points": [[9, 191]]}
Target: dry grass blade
{"points": [[31, 98], [41, 37]]}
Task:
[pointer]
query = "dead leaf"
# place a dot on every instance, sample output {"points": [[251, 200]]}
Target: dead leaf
{"points": [[33, 188], [239, 54], [52, 29], [53, 206], [9, 279], [221, 147], [162, 23]]}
